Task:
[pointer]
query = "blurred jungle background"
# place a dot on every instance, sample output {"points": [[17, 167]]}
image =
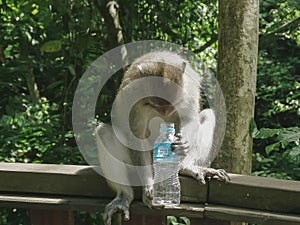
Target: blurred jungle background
{"points": [[46, 46]]}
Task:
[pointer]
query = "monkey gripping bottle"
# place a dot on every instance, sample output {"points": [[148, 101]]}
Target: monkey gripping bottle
{"points": [[166, 189]]}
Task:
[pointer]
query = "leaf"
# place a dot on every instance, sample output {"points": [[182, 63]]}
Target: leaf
{"points": [[294, 3], [171, 219], [185, 220], [253, 128], [295, 151], [71, 69], [272, 147], [288, 135], [51, 46], [55, 84], [266, 133], [6, 120], [35, 9]]}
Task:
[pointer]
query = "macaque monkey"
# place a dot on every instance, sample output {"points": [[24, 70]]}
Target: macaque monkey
{"points": [[194, 128]]}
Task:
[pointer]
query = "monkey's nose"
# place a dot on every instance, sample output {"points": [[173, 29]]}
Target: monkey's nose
{"points": [[167, 110]]}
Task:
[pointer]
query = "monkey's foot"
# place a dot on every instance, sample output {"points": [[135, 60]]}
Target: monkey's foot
{"points": [[118, 205], [148, 195], [200, 173]]}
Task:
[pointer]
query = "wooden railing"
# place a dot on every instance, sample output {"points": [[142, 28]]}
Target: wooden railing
{"points": [[53, 192]]}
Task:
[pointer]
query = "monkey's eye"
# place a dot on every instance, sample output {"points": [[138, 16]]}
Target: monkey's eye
{"points": [[157, 102]]}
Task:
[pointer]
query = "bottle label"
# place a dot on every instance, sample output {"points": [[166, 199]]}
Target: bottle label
{"points": [[162, 151]]}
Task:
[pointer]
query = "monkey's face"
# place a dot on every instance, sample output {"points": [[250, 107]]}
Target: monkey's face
{"points": [[160, 105]]}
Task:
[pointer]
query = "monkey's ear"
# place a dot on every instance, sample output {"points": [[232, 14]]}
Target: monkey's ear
{"points": [[183, 67]]}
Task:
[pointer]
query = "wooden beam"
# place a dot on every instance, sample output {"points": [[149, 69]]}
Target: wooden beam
{"points": [[260, 193], [70, 203], [68, 188], [251, 216], [199, 214], [272, 194], [75, 180], [53, 179]]}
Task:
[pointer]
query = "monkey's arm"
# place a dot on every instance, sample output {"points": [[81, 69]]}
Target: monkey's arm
{"points": [[200, 137]]}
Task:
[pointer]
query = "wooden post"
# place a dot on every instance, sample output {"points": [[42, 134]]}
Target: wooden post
{"points": [[51, 217], [237, 63]]}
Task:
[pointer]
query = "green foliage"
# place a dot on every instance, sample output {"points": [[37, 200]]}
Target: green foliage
{"points": [[285, 138], [88, 218], [35, 135], [14, 217], [277, 112], [278, 90], [45, 47], [172, 220], [282, 152], [187, 23]]}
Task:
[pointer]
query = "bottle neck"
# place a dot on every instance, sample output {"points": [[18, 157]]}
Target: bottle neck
{"points": [[167, 135], [167, 130]]}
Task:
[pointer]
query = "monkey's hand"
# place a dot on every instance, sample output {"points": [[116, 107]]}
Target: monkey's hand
{"points": [[119, 204], [200, 173], [180, 146]]}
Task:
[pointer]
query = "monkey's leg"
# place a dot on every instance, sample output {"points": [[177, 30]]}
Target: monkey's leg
{"points": [[147, 175], [113, 157], [201, 149]]}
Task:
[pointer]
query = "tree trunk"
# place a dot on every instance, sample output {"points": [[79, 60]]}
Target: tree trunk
{"points": [[237, 62], [110, 13], [237, 67], [28, 69]]}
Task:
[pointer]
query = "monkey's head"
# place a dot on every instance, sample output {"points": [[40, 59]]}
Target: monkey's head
{"points": [[171, 78], [169, 66], [168, 91]]}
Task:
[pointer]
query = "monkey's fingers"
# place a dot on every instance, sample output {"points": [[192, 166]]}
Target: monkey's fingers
{"points": [[179, 137], [223, 175], [108, 216], [106, 219], [219, 173], [200, 176], [201, 173], [148, 191], [180, 148], [118, 205]]}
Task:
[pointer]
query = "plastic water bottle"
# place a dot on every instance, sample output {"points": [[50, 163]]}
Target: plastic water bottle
{"points": [[166, 183]]}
